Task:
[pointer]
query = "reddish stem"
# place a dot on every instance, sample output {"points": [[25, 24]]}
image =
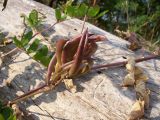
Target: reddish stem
{"points": [[117, 64], [44, 30], [22, 97], [84, 21], [79, 54]]}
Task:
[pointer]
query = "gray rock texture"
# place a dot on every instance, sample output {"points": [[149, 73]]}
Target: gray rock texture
{"points": [[99, 96]]}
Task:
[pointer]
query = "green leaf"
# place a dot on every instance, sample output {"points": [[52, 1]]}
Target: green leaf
{"points": [[69, 2], [26, 38], [82, 9], [63, 17], [93, 11], [42, 59], [43, 50], [7, 112], [1, 117], [157, 41], [37, 56], [34, 46], [41, 55], [2, 36], [17, 42], [122, 5], [33, 18], [12, 117], [133, 6], [101, 14], [70, 10], [1, 105], [45, 60], [58, 14]]}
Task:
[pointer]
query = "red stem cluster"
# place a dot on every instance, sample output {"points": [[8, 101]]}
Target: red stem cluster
{"points": [[116, 64]]}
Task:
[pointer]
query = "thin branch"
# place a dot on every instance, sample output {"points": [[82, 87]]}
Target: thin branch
{"points": [[13, 50], [28, 94], [84, 21], [38, 90], [118, 64], [94, 2], [55, 83], [44, 30], [4, 4]]}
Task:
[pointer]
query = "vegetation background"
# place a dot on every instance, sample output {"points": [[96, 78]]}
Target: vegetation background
{"points": [[139, 16]]}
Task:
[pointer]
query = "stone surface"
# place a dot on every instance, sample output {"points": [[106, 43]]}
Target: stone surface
{"points": [[99, 96]]}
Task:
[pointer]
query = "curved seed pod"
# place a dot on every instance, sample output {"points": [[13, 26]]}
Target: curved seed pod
{"points": [[86, 42], [90, 50], [71, 46], [69, 51], [56, 59], [77, 39], [85, 66], [78, 59], [73, 41], [59, 48], [96, 38], [51, 68]]}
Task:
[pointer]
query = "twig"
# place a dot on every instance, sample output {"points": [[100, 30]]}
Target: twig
{"points": [[55, 83], [97, 88], [4, 4], [31, 38], [94, 2], [118, 64], [10, 52], [28, 94], [84, 21], [38, 90], [44, 30]]}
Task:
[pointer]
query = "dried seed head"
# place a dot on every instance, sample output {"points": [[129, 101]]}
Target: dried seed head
{"points": [[129, 80], [131, 64], [69, 85], [137, 110]]}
